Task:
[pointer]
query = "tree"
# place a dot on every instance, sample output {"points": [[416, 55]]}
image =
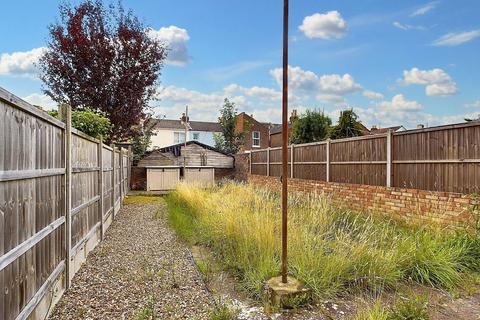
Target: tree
{"points": [[92, 122], [230, 139], [347, 126], [142, 140], [310, 127], [102, 57]]}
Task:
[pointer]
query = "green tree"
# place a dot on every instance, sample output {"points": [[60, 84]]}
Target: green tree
{"points": [[310, 127], [230, 139], [347, 126], [91, 122]]}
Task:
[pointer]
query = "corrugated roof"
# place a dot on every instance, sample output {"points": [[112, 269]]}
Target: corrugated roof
{"points": [[195, 125]]}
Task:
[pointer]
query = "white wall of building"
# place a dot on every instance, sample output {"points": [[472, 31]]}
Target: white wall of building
{"points": [[166, 137]]}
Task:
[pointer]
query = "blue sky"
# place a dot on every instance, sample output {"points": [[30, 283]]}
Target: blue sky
{"points": [[394, 62]]}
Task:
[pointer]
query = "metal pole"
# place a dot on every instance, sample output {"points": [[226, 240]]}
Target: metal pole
{"points": [[284, 141]]}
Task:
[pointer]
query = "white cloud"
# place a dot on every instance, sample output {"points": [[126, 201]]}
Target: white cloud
{"points": [[456, 38], [298, 79], [176, 40], [475, 104], [400, 103], [41, 100], [407, 26], [336, 84], [325, 26], [424, 9], [437, 81], [20, 63], [373, 95], [331, 98], [203, 106], [308, 81], [263, 93]]}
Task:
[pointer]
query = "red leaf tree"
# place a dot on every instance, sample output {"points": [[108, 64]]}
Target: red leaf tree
{"points": [[102, 58]]}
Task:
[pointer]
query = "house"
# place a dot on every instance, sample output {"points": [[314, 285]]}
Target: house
{"points": [[276, 136], [168, 132], [376, 130], [257, 136]]}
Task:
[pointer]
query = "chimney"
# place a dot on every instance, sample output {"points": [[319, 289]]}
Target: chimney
{"points": [[374, 128], [420, 126], [293, 116]]}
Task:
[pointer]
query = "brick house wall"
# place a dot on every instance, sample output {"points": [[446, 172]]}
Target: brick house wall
{"points": [[246, 123], [446, 209]]}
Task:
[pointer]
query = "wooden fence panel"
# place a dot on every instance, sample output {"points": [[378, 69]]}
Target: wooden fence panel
{"points": [[85, 199], [361, 161], [31, 200], [445, 158], [33, 175], [259, 162], [310, 162]]}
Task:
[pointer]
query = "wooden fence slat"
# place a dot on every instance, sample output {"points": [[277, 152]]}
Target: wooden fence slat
{"points": [[20, 249], [12, 175]]}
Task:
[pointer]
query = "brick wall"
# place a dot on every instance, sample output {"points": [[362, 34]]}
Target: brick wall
{"points": [[241, 167], [408, 205]]}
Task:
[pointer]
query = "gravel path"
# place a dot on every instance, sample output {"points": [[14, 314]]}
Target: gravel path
{"points": [[139, 268]]}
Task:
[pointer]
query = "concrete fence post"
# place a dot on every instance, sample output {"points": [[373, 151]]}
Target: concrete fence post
{"points": [[268, 161], [328, 160], [389, 158], [122, 183], [292, 157]]}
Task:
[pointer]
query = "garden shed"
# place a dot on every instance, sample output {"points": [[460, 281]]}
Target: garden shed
{"points": [[193, 162]]}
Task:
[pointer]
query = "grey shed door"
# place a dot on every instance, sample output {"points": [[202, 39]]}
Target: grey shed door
{"points": [[162, 179], [203, 176]]}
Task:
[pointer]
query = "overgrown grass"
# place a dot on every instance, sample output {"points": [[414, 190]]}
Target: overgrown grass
{"points": [[331, 249], [142, 199], [415, 308]]}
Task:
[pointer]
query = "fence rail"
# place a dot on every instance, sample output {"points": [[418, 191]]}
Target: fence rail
{"points": [[59, 191], [444, 158]]}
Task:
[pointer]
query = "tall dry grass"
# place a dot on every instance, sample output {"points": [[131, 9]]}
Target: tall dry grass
{"points": [[331, 249]]}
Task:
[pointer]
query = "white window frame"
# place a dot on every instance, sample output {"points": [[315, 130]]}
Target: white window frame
{"points": [[255, 139], [176, 137]]}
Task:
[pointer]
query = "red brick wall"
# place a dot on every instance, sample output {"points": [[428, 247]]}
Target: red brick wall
{"points": [[253, 125], [408, 205]]}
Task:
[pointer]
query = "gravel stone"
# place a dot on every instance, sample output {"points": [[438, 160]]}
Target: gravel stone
{"points": [[140, 267]]}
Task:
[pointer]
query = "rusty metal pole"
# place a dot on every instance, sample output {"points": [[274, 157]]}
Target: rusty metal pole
{"points": [[284, 141]]}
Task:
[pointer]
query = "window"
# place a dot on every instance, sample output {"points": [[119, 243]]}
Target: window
{"points": [[178, 137], [256, 139], [196, 136]]}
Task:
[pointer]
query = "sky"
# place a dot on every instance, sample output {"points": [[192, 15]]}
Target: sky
{"points": [[393, 62]]}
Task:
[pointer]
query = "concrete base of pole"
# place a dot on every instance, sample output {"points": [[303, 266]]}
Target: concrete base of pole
{"points": [[287, 295]]}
